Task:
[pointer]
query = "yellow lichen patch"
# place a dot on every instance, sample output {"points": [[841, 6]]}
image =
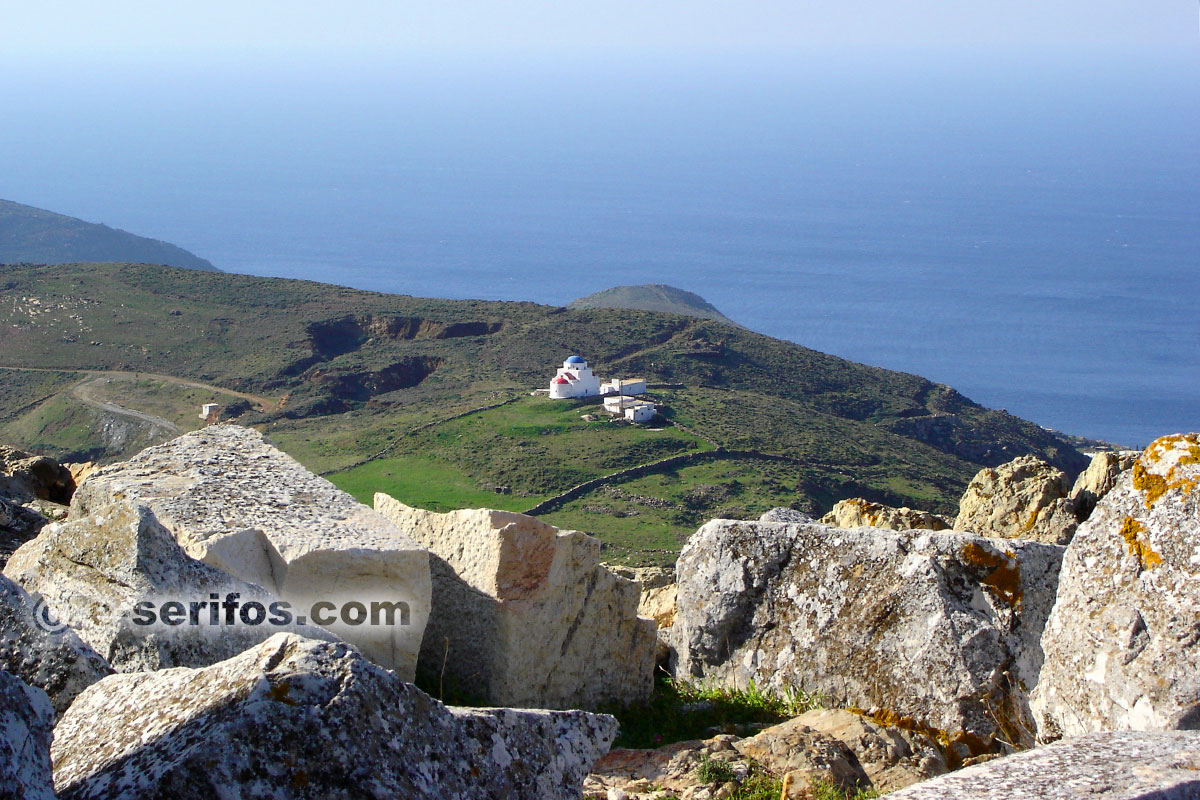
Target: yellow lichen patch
{"points": [[1155, 486], [1004, 578], [1032, 519], [1147, 558], [950, 743]]}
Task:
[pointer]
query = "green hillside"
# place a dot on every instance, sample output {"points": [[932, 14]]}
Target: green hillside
{"points": [[434, 400], [653, 297], [34, 236]]}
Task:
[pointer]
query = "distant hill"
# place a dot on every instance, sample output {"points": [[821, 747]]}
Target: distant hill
{"points": [[653, 297], [430, 400], [35, 236]]}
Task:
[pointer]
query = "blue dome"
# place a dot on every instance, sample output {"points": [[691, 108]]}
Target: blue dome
{"points": [[575, 360]]}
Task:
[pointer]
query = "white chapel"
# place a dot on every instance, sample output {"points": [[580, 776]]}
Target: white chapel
{"points": [[574, 379]]}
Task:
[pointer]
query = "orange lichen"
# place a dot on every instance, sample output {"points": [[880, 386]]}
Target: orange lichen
{"points": [[951, 744], [1154, 485], [1147, 558], [1004, 578]]}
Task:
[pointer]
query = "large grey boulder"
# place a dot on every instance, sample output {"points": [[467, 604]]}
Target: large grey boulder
{"points": [[940, 628], [524, 614], [94, 572], [1103, 766], [1023, 499], [26, 726], [295, 718], [234, 501], [1123, 642], [856, 512], [39, 650]]}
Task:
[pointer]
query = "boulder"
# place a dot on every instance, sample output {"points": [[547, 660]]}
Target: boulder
{"points": [[41, 652], [1104, 766], [524, 614], [94, 572], [1122, 645], [234, 501], [936, 632], [808, 755], [33, 491], [18, 524], [296, 718], [1023, 499], [25, 477], [891, 757], [856, 512], [26, 726], [1099, 478]]}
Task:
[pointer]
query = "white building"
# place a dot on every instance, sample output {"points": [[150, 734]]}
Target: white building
{"points": [[209, 410], [574, 379], [641, 411], [625, 386], [629, 408]]}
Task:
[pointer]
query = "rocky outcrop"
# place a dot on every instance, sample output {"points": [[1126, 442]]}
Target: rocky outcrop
{"points": [[891, 757], [26, 726], [25, 477], [234, 501], [33, 491], [1123, 642], [294, 718], [859, 513], [94, 572], [41, 652], [1023, 499], [524, 614], [1105, 766], [933, 631], [1099, 478], [674, 770], [807, 755]]}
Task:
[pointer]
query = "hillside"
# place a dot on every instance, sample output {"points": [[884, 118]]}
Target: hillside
{"points": [[34, 236], [653, 297], [431, 400]]}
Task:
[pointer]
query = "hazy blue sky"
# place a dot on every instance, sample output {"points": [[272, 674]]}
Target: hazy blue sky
{"points": [[85, 27]]}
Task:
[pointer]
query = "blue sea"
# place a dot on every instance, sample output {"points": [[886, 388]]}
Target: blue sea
{"points": [[1024, 226]]}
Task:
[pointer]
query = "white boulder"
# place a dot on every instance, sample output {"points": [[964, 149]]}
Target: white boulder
{"points": [[234, 501], [524, 614]]}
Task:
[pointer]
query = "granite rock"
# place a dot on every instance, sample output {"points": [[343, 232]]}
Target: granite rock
{"points": [[1104, 766], [234, 501], [859, 513], [93, 572], [1023, 499], [1122, 645], [26, 727], [294, 718], [41, 652], [524, 614], [936, 630]]}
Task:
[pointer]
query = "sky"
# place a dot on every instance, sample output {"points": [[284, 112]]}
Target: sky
{"points": [[87, 29]]}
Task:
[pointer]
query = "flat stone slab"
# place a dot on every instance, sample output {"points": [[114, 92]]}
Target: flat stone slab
{"points": [[1127, 765]]}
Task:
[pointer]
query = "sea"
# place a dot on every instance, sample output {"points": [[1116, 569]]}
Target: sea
{"points": [[1023, 225]]}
